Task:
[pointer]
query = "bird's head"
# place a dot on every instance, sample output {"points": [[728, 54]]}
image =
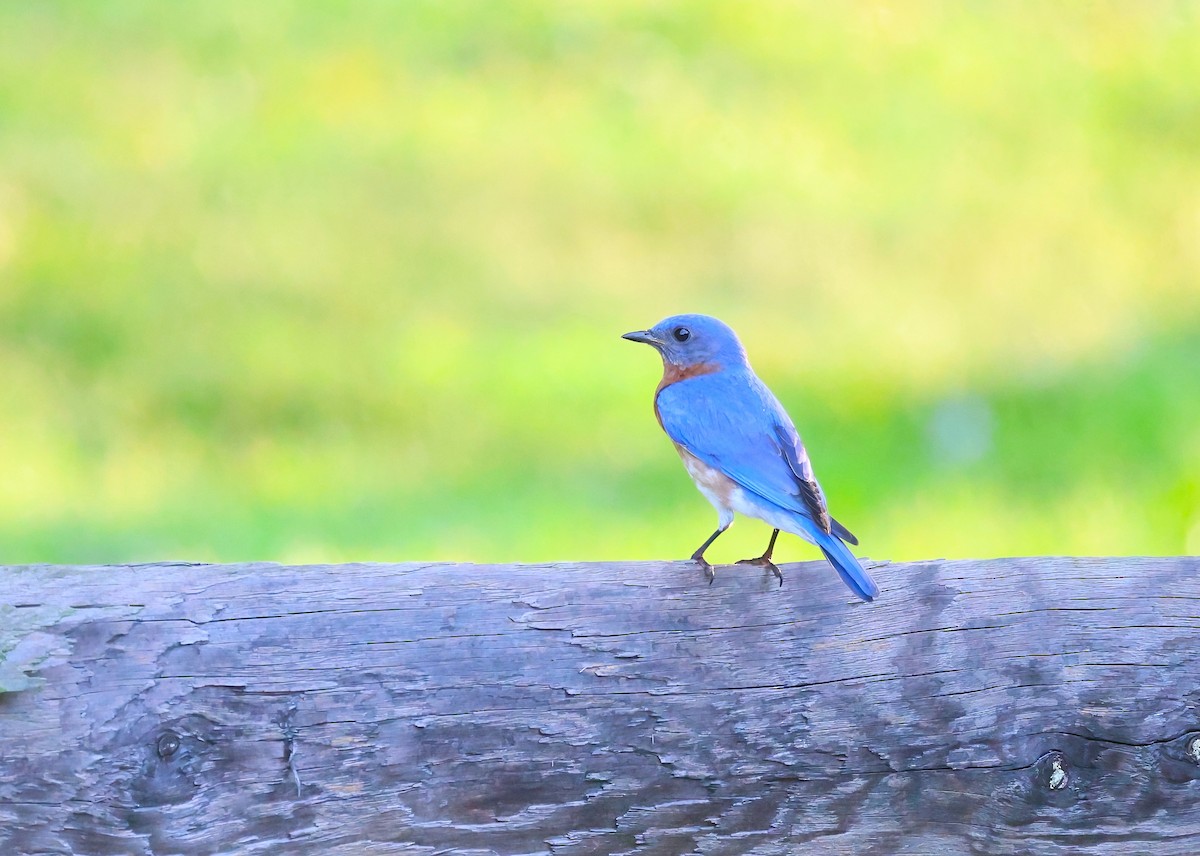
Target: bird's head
{"points": [[693, 340]]}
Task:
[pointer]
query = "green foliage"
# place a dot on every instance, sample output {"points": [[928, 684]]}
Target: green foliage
{"points": [[345, 281]]}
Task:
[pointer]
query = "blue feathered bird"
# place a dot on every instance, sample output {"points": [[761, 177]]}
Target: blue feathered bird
{"points": [[739, 445]]}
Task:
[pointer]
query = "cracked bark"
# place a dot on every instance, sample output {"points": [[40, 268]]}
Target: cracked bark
{"points": [[1026, 705]]}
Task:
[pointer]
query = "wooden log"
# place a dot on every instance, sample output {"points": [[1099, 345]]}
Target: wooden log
{"points": [[1007, 706]]}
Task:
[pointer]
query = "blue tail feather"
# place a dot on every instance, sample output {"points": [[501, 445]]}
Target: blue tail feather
{"points": [[846, 565]]}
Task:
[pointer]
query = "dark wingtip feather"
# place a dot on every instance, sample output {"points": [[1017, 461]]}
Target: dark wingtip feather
{"points": [[844, 533]]}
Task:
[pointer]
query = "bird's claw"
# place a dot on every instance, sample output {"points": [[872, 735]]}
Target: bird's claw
{"points": [[763, 562], [709, 573]]}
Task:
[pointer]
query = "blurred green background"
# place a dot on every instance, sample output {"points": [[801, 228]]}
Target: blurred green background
{"points": [[342, 281]]}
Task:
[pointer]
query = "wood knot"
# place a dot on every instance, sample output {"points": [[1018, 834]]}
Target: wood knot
{"points": [[167, 744], [1193, 749], [176, 754]]}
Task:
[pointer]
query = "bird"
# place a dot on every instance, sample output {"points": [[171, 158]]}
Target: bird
{"points": [[740, 446]]}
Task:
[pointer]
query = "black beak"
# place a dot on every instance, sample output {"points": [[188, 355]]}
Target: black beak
{"points": [[644, 336]]}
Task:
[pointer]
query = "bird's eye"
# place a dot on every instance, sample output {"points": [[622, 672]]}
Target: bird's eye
{"points": [[681, 334]]}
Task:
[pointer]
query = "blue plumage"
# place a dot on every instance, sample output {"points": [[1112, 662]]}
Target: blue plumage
{"points": [[739, 444]]}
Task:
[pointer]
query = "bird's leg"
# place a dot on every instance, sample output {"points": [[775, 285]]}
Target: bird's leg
{"points": [[698, 556], [764, 561]]}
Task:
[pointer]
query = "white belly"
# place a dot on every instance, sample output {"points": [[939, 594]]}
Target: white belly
{"points": [[728, 498]]}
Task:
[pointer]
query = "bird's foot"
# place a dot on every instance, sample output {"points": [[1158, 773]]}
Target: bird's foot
{"points": [[764, 562], [709, 573]]}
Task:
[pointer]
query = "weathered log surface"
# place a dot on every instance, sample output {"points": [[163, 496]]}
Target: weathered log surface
{"points": [[1009, 706]]}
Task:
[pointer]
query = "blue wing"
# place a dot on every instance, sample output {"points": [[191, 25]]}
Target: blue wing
{"points": [[731, 421]]}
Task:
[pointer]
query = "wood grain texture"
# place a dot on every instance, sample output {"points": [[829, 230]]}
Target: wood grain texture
{"points": [[1012, 706]]}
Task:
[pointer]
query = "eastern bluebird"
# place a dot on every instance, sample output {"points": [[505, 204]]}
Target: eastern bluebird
{"points": [[739, 445]]}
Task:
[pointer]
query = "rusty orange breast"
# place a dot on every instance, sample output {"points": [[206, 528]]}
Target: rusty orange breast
{"points": [[673, 374]]}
